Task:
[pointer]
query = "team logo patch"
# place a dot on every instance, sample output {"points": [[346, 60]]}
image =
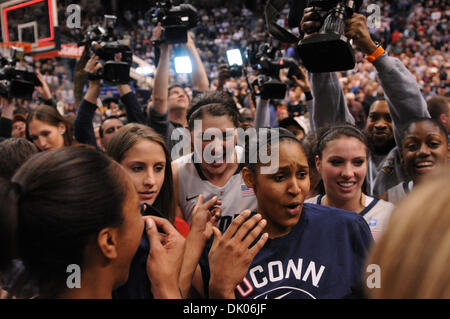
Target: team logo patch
{"points": [[246, 191], [373, 222]]}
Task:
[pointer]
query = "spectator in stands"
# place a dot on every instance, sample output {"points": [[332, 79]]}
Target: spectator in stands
{"points": [[439, 108], [18, 126]]}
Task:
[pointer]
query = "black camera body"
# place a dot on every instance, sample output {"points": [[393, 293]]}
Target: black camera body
{"points": [[116, 58], [329, 50], [15, 81], [268, 82], [175, 21]]}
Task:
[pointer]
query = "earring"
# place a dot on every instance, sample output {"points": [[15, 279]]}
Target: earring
{"points": [[62, 132]]}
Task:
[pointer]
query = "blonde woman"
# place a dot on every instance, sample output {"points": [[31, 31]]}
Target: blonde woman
{"points": [[413, 254]]}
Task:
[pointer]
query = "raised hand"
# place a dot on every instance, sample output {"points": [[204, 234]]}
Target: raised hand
{"points": [[164, 258], [231, 255]]}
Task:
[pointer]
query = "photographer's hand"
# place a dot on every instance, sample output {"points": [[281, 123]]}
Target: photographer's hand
{"points": [[356, 29], [311, 22], [44, 89], [156, 36], [303, 81], [94, 89]]}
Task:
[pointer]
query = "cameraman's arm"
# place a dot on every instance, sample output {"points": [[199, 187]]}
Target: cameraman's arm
{"points": [[161, 82], [403, 95], [199, 76], [6, 117], [262, 114], [44, 91], [133, 108], [329, 105], [83, 128]]}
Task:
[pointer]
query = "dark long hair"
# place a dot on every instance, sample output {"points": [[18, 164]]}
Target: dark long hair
{"points": [[328, 134], [51, 116], [124, 139], [54, 205]]}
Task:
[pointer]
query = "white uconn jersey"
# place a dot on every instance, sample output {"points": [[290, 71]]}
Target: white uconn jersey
{"points": [[234, 195]]}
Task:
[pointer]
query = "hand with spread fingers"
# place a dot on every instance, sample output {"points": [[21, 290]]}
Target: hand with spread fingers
{"points": [[232, 253]]}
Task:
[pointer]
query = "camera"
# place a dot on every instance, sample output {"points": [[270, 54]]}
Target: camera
{"points": [[175, 21], [17, 80], [268, 81], [116, 57], [327, 51]]}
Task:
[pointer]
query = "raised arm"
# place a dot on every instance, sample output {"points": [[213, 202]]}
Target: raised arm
{"points": [[403, 95], [161, 83], [199, 76], [329, 105], [133, 108], [83, 128]]}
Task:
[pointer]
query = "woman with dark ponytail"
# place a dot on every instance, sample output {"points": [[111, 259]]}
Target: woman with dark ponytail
{"points": [[75, 211]]}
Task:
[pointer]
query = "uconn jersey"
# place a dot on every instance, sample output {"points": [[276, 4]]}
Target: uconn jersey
{"points": [[376, 213], [234, 195], [323, 256]]}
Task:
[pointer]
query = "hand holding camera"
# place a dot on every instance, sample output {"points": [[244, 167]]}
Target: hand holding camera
{"points": [[356, 29]]}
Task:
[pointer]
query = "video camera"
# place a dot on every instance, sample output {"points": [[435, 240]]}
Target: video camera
{"points": [[17, 80], [175, 21], [268, 81], [327, 51], [116, 57]]}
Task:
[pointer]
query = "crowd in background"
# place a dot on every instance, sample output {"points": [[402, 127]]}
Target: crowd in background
{"points": [[415, 31], [356, 149]]}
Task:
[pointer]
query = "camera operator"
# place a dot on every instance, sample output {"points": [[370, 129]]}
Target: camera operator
{"points": [[9, 108], [84, 130], [169, 105], [403, 103]]}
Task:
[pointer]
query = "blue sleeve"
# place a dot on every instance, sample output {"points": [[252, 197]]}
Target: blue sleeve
{"points": [[133, 108], [83, 128], [361, 241], [5, 127]]}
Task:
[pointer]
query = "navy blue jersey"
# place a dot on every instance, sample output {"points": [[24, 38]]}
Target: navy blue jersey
{"points": [[323, 256], [138, 285]]}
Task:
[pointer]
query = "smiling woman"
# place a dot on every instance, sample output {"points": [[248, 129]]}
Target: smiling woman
{"points": [[424, 147], [341, 160]]}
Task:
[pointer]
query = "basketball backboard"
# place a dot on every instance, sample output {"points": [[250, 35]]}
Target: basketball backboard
{"points": [[31, 24]]}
